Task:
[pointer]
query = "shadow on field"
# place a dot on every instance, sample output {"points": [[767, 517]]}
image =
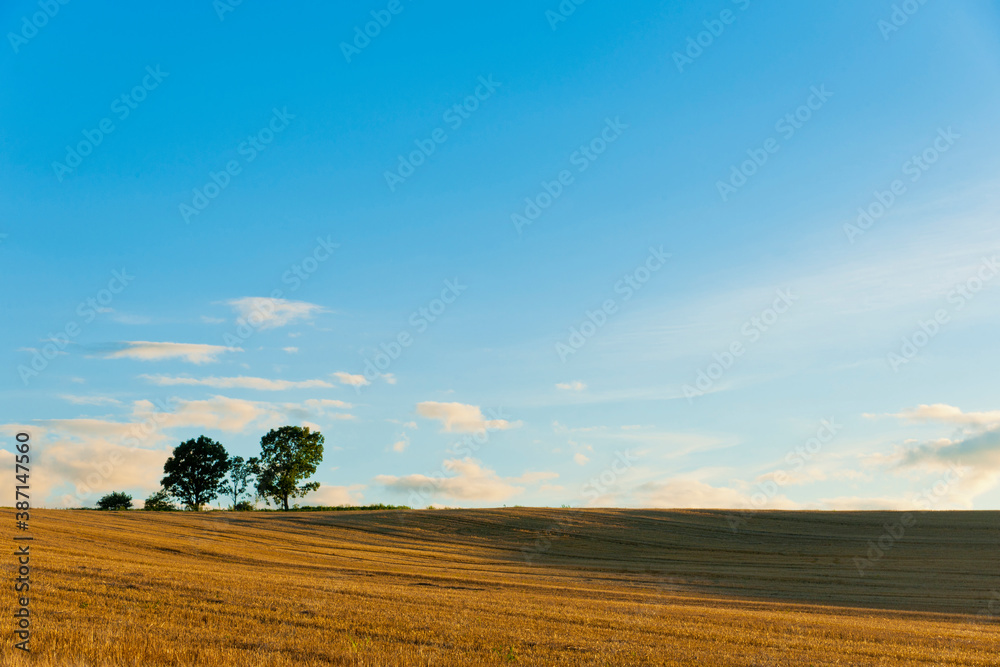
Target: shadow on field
{"points": [[922, 561]]}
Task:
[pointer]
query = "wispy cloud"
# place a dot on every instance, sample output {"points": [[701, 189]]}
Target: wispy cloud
{"points": [[90, 400], [240, 382], [571, 386], [151, 351], [268, 313]]}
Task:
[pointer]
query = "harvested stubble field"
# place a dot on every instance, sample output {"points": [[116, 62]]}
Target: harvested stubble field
{"points": [[507, 586]]}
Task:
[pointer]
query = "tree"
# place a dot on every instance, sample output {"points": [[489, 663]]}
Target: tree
{"points": [[288, 455], [159, 501], [194, 473], [116, 500], [238, 481]]}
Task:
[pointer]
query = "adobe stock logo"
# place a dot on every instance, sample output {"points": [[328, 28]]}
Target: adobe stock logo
{"points": [[37, 21], [627, 286], [752, 329]]}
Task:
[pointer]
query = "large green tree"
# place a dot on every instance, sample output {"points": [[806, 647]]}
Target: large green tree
{"points": [[194, 473], [288, 455]]}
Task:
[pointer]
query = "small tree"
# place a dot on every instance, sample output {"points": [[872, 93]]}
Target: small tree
{"points": [[238, 480], [159, 501], [288, 455], [195, 470], [116, 500]]}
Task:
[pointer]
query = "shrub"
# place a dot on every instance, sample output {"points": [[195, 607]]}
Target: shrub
{"points": [[244, 506], [116, 500], [159, 502]]}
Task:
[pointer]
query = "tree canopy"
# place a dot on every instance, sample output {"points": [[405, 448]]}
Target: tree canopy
{"points": [[116, 500], [158, 501], [289, 455], [195, 471]]}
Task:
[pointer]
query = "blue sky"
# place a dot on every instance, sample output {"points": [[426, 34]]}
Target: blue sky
{"points": [[280, 198]]}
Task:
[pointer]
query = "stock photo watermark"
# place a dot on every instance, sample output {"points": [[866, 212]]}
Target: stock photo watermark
{"points": [[593, 489], [914, 168], [420, 320], [223, 7], [248, 149], [581, 158], [562, 12], [22, 556], [896, 530], [697, 44], [454, 117], [900, 16], [627, 286], [752, 330], [31, 24], [263, 312], [468, 446], [959, 296], [122, 106], [87, 310], [797, 459], [363, 35], [786, 126]]}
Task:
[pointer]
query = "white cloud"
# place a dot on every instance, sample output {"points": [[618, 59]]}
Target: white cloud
{"points": [[462, 418], [969, 461], [333, 496], [948, 414], [401, 444], [323, 403], [794, 477], [240, 382], [150, 351], [291, 349], [685, 492], [349, 379], [218, 412], [267, 313], [83, 459], [580, 458], [389, 378], [534, 477], [470, 481], [572, 386], [862, 503], [318, 407]]}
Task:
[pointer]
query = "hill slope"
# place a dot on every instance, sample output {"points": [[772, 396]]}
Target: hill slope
{"points": [[511, 586]]}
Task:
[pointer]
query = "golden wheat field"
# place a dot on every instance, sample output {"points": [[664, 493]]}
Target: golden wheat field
{"points": [[507, 586]]}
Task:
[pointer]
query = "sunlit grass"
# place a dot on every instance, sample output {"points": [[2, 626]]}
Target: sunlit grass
{"points": [[454, 587]]}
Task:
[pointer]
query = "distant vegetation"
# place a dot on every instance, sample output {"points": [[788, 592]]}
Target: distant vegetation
{"points": [[344, 508], [115, 501], [200, 470]]}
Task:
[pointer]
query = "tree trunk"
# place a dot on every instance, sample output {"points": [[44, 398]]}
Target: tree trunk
{"points": [[285, 499]]}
